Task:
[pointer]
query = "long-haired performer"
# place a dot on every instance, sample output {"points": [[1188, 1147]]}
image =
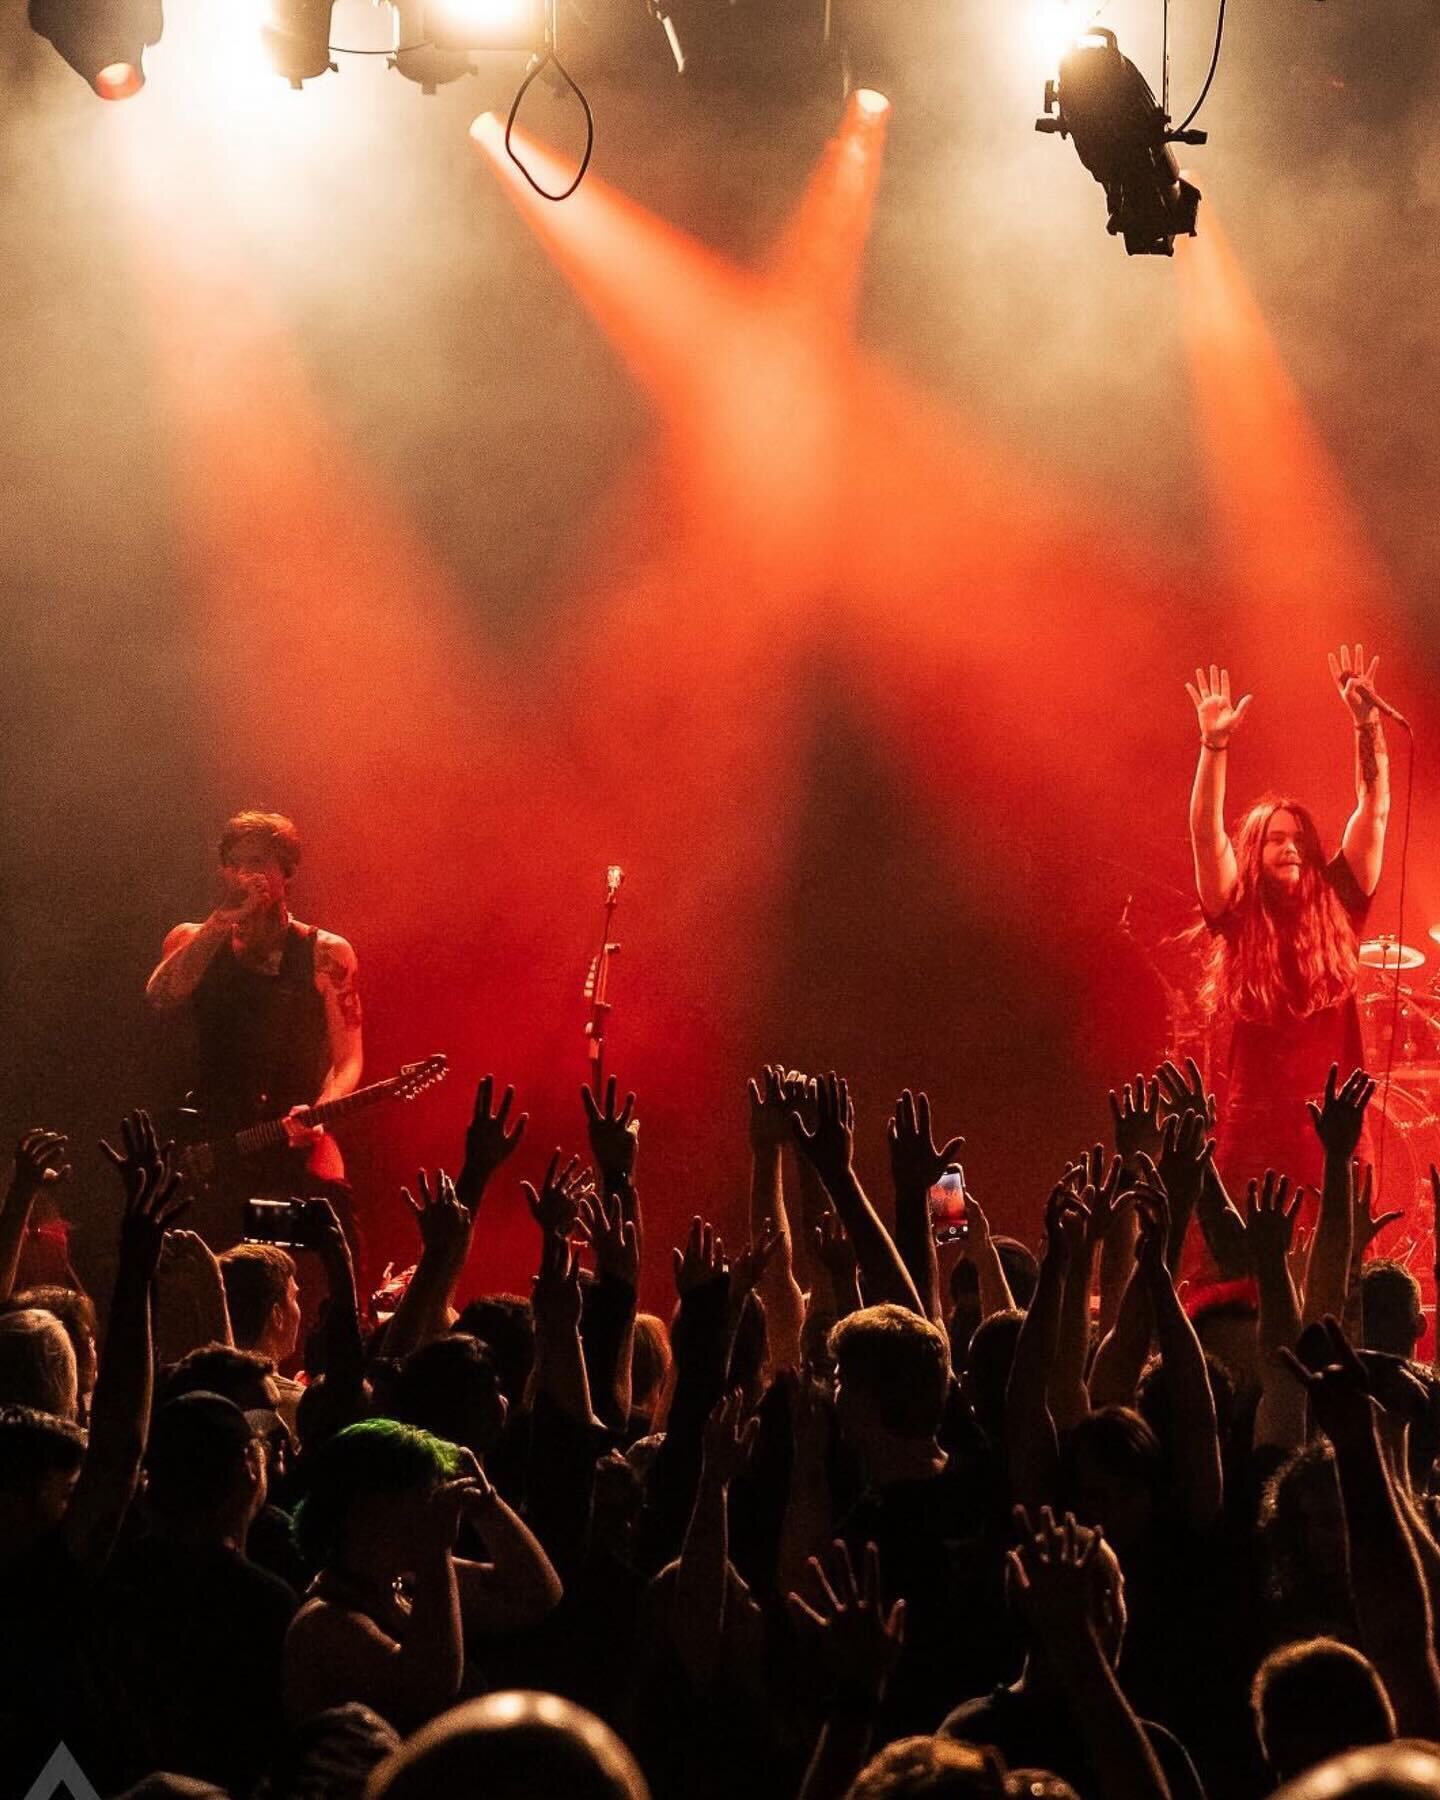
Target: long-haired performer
{"points": [[1282, 924]]}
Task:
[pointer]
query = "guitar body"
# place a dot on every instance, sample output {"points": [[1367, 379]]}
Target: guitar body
{"points": [[226, 1167]]}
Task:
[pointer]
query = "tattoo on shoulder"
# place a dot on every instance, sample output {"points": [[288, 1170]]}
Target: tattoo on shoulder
{"points": [[348, 999]]}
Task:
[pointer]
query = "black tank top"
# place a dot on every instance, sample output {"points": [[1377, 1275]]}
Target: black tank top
{"points": [[263, 1045]]}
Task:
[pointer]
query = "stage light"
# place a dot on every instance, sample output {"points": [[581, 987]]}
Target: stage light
{"points": [[487, 24], [102, 40], [297, 39], [417, 58], [871, 103], [1054, 25], [1104, 103]]}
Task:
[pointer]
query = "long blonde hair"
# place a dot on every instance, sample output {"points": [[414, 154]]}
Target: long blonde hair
{"points": [[1280, 954]]}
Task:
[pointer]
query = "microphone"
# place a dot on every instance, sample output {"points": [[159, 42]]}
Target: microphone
{"points": [[1383, 706]]}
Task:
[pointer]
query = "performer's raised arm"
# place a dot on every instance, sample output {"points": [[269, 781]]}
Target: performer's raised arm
{"points": [[189, 949], [1364, 839], [1215, 868]]}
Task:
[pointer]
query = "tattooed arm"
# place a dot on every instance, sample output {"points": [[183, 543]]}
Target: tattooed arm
{"points": [[1364, 838], [184, 958], [335, 968]]}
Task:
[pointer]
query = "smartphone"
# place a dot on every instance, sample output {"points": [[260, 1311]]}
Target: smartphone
{"points": [[947, 1206], [292, 1224]]}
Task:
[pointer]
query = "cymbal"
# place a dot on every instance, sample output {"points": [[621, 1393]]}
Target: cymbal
{"points": [[1386, 953]]}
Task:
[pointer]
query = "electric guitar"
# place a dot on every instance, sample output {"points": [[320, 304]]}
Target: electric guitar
{"points": [[203, 1162]]}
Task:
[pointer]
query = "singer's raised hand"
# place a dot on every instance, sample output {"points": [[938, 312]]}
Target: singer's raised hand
{"points": [[1217, 716], [1355, 680]]}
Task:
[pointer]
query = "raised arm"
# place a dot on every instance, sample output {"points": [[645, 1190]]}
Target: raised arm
{"points": [[915, 1166], [1031, 1445], [1215, 869], [1364, 838], [189, 949], [120, 1412], [830, 1149], [335, 977], [702, 1580], [1338, 1122], [1269, 1229], [39, 1163], [778, 1289], [445, 1224]]}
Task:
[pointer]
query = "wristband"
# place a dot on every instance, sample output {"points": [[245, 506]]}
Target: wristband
{"points": [[1210, 743]]}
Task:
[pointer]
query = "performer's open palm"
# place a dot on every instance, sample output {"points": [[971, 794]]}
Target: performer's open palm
{"points": [[1211, 695], [1355, 680]]}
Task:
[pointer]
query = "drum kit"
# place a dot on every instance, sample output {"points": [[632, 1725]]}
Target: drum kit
{"points": [[1400, 1026]]}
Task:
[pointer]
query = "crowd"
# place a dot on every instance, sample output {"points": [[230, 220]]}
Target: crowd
{"points": [[868, 1515]]}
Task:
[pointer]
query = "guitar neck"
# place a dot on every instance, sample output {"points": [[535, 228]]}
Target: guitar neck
{"points": [[271, 1132]]}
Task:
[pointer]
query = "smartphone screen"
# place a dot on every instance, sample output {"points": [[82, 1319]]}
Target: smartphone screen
{"points": [[947, 1205]]}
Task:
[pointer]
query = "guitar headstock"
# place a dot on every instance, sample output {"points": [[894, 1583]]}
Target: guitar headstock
{"points": [[415, 1077], [614, 875]]}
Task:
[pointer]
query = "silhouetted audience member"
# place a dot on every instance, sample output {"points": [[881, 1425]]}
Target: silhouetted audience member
{"points": [[1314, 1700]]}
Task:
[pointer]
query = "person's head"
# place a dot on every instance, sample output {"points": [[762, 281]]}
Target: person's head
{"points": [[330, 1756], [204, 1467], [511, 1745], [449, 1387], [1314, 1699], [1405, 1770], [261, 843], [1021, 1266], [1154, 1400], [649, 1363], [506, 1325], [1226, 1317], [367, 1493], [1114, 1473], [244, 1376], [263, 1298], [1302, 1541], [892, 1371], [1393, 1320], [987, 1370], [1292, 946], [37, 1363], [76, 1312], [944, 1768], [40, 1457]]}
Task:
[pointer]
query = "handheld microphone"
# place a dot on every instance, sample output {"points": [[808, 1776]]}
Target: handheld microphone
{"points": [[1383, 706]]}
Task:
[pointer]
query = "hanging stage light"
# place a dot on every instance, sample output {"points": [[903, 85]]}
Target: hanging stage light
{"points": [[1122, 136], [297, 39], [487, 24], [417, 57], [103, 40]]}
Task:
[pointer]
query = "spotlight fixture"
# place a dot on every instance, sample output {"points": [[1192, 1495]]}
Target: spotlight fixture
{"points": [[102, 40], [1122, 136], [417, 57], [297, 39], [487, 24]]}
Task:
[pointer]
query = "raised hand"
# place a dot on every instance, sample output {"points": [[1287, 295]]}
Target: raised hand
{"points": [[40, 1161], [857, 1639], [1349, 674], [1365, 1228], [614, 1134], [1152, 1213], [1185, 1151], [1102, 1192], [141, 1159], [153, 1198], [614, 1239], [488, 1142], [555, 1207], [443, 1220], [1217, 717], [801, 1091], [830, 1146], [728, 1439], [914, 1161], [1270, 1210], [770, 1109], [1185, 1091], [1050, 1571], [1324, 1363], [1064, 1211], [1136, 1112], [750, 1265], [701, 1261], [835, 1253], [1340, 1120], [555, 1297]]}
